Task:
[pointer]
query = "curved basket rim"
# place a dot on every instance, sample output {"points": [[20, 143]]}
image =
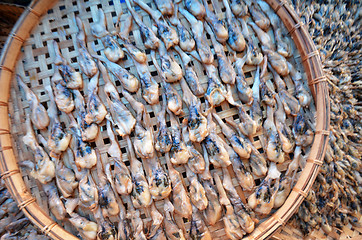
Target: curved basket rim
{"points": [[11, 174]]}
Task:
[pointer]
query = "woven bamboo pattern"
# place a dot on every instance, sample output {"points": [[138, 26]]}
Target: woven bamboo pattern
{"points": [[28, 52]]}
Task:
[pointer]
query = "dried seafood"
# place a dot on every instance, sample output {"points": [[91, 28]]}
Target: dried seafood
{"points": [[38, 115], [58, 140], [235, 154], [70, 78], [186, 41], [167, 34], [112, 50], [43, 169], [86, 63]]}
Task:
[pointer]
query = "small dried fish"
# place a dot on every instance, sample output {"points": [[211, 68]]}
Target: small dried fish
{"points": [[284, 47], [89, 131], [160, 186], [150, 91], [214, 144], [244, 92], [247, 125], [239, 145], [159, 183], [242, 212], [70, 78], [181, 200], [112, 50], [163, 140], [216, 24], [121, 177], [196, 162], [206, 174], [155, 230], [290, 103], [122, 117], [255, 110], [197, 29], [141, 196], [273, 146], [106, 197], [231, 223], [266, 91], [285, 186], [254, 57], [195, 8], [106, 229], [56, 206], [137, 225], [58, 140], [242, 174], [143, 141], [186, 41], [285, 133], [167, 33], [262, 201], [39, 116], [86, 63], [236, 39], [85, 156], [65, 177], [166, 7], [86, 228], [259, 17], [196, 191], [213, 211], [179, 150], [133, 50], [127, 80], [303, 135], [283, 44], [239, 8], [277, 61], [294, 165], [62, 95], [197, 122], [189, 74], [170, 95], [149, 38], [44, 169], [173, 232], [257, 160], [216, 92], [198, 228], [70, 204], [226, 70], [124, 228], [88, 191], [273, 17], [301, 91], [170, 68], [96, 111], [263, 37]]}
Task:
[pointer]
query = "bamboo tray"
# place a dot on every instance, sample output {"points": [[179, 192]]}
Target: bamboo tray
{"points": [[41, 31]]}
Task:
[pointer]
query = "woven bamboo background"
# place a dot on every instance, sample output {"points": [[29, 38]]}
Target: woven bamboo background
{"points": [[36, 68]]}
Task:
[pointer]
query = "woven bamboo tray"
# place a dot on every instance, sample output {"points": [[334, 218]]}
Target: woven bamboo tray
{"points": [[35, 65]]}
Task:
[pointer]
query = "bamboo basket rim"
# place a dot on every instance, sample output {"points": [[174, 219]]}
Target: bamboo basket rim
{"points": [[310, 58]]}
